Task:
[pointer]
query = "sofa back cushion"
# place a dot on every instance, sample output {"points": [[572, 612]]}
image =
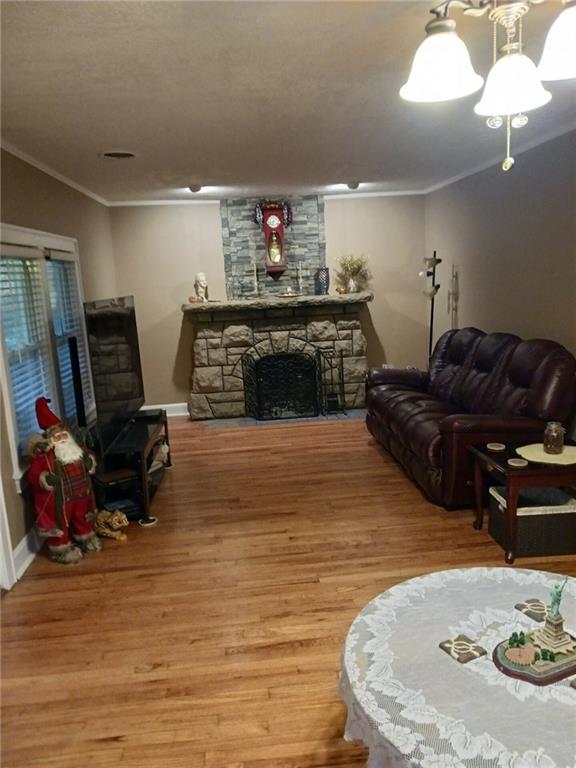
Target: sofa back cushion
{"points": [[451, 359], [539, 381], [480, 384]]}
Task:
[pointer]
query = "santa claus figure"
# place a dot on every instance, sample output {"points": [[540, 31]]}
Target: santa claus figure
{"points": [[63, 496]]}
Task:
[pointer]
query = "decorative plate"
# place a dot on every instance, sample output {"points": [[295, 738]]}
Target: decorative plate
{"points": [[535, 452]]}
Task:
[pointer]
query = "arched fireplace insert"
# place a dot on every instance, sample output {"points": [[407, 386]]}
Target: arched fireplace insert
{"points": [[289, 385]]}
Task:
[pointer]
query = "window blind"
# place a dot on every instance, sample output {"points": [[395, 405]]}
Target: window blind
{"points": [[67, 321], [26, 339]]}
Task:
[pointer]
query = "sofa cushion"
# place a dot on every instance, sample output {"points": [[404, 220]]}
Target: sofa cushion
{"points": [[414, 417], [383, 398], [417, 425], [481, 382], [539, 381], [451, 359]]}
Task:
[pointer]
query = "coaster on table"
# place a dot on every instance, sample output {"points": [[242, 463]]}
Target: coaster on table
{"points": [[533, 608], [517, 463], [462, 649], [496, 446]]}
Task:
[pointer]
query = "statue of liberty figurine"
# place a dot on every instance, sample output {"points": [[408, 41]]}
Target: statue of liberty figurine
{"points": [[555, 598]]}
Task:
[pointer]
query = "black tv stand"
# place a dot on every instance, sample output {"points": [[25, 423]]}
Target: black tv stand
{"points": [[128, 459]]}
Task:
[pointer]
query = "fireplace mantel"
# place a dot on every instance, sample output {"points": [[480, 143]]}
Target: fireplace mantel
{"points": [[270, 302], [225, 332]]}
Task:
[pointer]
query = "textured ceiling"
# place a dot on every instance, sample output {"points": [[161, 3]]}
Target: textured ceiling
{"points": [[245, 97]]}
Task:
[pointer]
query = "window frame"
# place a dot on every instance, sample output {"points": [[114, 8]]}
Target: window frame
{"points": [[42, 245]]}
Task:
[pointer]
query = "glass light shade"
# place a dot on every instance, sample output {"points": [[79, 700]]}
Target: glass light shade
{"points": [[441, 70], [512, 86], [558, 60]]}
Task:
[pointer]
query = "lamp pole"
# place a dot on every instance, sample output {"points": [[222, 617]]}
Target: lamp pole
{"points": [[432, 273]]}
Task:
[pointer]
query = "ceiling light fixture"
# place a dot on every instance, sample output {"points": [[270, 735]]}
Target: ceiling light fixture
{"points": [[442, 70], [195, 187], [353, 184], [558, 60]]}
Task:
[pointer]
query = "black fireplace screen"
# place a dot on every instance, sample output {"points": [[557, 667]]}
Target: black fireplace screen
{"points": [[293, 384]]}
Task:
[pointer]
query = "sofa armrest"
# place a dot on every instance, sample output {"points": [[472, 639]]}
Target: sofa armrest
{"points": [[490, 423], [461, 430], [403, 377]]}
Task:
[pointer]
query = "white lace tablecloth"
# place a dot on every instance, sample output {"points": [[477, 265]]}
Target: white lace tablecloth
{"points": [[413, 705]]}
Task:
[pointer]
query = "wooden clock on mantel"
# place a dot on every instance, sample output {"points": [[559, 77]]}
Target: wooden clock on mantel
{"points": [[273, 217]]}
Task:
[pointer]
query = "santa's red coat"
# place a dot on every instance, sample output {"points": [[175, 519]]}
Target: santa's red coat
{"points": [[63, 495]]}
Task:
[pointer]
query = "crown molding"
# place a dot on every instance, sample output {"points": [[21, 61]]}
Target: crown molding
{"points": [[549, 136], [354, 196], [137, 203], [495, 161], [11, 149]]}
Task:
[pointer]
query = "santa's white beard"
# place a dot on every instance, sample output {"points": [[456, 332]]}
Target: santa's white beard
{"points": [[68, 451]]}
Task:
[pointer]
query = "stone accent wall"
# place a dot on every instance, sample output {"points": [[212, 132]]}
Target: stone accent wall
{"points": [[243, 243], [217, 380]]}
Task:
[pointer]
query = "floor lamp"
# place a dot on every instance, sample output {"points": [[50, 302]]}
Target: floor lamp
{"points": [[430, 271]]}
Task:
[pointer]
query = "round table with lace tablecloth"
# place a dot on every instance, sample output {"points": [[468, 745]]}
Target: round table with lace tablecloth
{"points": [[415, 705]]}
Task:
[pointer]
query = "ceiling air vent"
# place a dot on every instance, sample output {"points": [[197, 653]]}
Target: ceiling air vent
{"points": [[117, 155]]}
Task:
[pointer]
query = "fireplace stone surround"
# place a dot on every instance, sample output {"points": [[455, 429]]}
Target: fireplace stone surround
{"points": [[224, 331]]}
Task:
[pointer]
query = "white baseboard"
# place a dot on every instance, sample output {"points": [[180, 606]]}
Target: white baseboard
{"points": [[172, 409], [26, 551]]}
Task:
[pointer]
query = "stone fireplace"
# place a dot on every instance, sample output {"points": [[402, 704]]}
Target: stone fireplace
{"points": [[265, 326]]}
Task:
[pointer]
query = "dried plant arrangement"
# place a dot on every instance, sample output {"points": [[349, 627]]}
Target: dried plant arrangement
{"points": [[353, 274]]}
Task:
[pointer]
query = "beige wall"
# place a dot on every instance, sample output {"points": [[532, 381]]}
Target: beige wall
{"points": [[31, 198], [513, 238], [158, 251], [390, 231]]}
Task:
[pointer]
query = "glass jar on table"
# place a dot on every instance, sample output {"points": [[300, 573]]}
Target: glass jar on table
{"points": [[554, 437]]}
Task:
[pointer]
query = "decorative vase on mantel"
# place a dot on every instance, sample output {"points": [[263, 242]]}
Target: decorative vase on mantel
{"points": [[322, 281], [352, 286]]}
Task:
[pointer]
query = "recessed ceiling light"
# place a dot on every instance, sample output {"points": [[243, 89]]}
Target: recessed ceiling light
{"points": [[117, 155], [195, 187]]}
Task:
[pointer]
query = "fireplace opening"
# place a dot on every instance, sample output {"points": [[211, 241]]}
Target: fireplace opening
{"points": [[281, 386], [289, 385]]}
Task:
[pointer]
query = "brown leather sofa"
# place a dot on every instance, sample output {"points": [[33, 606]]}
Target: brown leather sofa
{"points": [[479, 388]]}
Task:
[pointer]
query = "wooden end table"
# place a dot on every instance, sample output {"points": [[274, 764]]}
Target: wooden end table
{"points": [[495, 463]]}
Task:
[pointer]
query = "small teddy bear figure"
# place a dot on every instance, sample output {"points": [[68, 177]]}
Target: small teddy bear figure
{"points": [[109, 524]]}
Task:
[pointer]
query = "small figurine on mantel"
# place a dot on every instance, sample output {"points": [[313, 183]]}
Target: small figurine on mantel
{"points": [[200, 289]]}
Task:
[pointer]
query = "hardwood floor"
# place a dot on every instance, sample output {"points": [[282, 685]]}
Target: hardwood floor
{"points": [[214, 639]]}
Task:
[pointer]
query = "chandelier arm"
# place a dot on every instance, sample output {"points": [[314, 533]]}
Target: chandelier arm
{"points": [[474, 7]]}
